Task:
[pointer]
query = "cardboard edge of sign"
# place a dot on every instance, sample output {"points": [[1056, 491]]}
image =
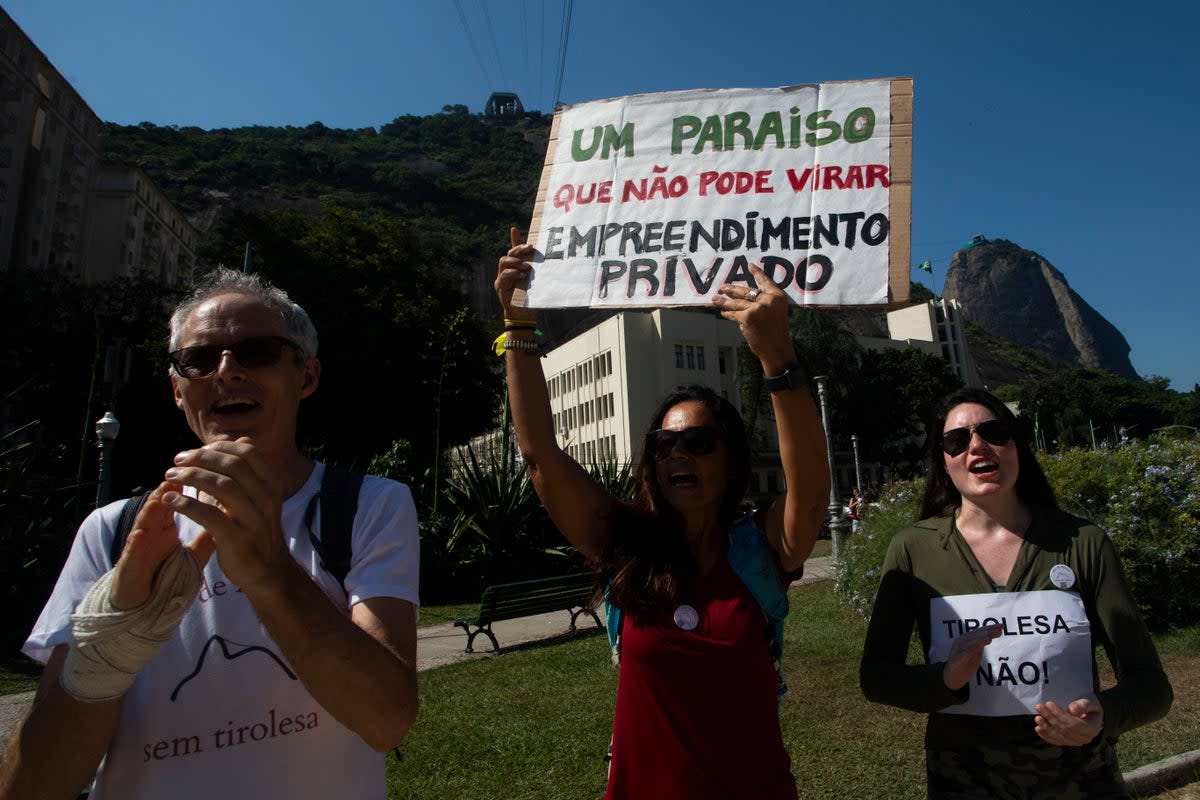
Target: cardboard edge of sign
{"points": [[899, 197]]}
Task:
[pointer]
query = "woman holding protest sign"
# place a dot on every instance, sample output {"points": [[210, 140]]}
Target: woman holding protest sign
{"points": [[1009, 595], [696, 713]]}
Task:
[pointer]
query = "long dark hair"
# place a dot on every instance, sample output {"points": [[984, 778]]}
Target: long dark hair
{"points": [[648, 562], [941, 496]]}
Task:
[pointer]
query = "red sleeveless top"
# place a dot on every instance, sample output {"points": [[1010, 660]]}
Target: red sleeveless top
{"points": [[696, 716]]}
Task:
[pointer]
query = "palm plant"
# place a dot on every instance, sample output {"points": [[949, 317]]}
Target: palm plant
{"points": [[498, 527]]}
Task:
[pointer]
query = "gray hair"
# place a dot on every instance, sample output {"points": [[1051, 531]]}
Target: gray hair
{"points": [[223, 280]]}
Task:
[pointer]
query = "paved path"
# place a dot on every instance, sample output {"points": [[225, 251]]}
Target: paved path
{"points": [[439, 645]]}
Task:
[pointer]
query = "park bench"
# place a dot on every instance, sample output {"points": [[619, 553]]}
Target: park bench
{"points": [[503, 601]]}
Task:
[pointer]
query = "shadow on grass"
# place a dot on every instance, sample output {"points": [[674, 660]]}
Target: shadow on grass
{"points": [[536, 644]]}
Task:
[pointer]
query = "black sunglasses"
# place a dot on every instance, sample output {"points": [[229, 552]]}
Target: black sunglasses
{"points": [[698, 441], [202, 360], [993, 431]]}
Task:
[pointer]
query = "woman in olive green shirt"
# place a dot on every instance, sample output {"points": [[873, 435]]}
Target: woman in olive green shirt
{"points": [[991, 525]]}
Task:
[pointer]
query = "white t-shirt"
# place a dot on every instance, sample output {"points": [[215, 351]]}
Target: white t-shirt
{"points": [[219, 712]]}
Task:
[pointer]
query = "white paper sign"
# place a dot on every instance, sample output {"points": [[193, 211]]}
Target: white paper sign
{"points": [[1044, 653], [658, 199]]}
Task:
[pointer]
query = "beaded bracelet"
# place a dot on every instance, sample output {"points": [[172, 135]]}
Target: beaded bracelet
{"points": [[502, 343], [528, 345]]}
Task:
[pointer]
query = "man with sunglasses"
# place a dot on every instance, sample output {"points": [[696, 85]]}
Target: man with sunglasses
{"points": [[253, 673]]}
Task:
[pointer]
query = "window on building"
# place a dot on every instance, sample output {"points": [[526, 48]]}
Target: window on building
{"points": [[755, 483], [678, 356], [700, 357], [608, 362], [691, 357], [721, 360]]}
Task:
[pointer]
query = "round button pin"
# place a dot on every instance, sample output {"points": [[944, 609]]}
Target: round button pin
{"points": [[687, 618], [1062, 576]]}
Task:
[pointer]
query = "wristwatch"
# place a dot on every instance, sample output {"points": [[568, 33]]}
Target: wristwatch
{"points": [[794, 377]]}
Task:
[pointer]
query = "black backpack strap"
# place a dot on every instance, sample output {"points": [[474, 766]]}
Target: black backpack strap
{"points": [[129, 512], [339, 503]]}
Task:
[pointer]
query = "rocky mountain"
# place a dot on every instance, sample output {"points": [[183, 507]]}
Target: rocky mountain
{"points": [[1019, 296]]}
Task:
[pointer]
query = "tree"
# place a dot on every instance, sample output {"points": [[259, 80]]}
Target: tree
{"points": [[821, 347], [402, 357], [887, 402], [1073, 404]]}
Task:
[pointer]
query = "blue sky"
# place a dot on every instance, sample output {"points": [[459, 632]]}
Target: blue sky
{"points": [[1068, 128]]}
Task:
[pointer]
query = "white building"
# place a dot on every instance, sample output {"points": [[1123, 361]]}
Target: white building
{"points": [[50, 142], [137, 231], [606, 382], [936, 327]]}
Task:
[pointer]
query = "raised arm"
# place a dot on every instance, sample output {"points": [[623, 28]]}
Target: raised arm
{"points": [[795, 519], [578, 505]]}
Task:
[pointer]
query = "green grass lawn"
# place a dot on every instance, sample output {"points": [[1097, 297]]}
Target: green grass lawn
{"points": [[18, 674], [535, 723], [443, 615]]}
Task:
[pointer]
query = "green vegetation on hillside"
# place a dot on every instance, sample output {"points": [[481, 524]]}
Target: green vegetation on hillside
{"points": [[459, 179]]}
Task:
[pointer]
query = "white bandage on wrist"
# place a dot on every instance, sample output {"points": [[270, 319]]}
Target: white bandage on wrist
{"points": [[109, 647]]}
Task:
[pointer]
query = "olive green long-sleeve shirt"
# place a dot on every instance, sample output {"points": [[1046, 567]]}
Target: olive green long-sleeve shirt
{"points": [[931, 559]]}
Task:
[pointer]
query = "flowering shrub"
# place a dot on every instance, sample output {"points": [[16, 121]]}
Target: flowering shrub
{"points": [[1146, 495], [858, 570]]}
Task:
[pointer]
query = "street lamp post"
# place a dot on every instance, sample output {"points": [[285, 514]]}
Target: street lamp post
{"points": [[857, 470], [107, 428], [837, 523]]}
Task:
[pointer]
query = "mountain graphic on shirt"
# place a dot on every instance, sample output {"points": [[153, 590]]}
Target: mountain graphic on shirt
{"points": [[230, 655]]}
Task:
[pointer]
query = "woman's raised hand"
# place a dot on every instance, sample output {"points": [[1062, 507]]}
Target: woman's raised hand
{"points": [[762, 315], [513, 273]]}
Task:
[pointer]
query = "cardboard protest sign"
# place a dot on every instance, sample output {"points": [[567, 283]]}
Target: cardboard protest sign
{"points": [[658, 199], [1044, 653]]}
